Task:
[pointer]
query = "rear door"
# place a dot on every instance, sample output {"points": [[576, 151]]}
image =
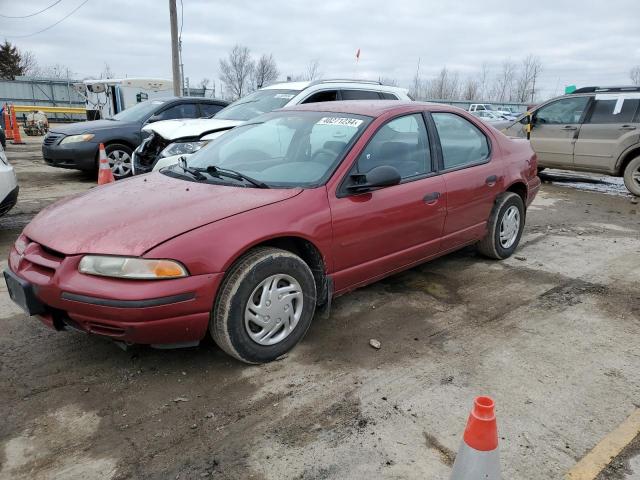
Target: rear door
{"points": [[610, 128], [381, 231], [473, 177], [555, 130]]}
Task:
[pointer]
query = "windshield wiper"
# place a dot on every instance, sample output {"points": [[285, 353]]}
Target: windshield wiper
{"points": [[213, 170], [195, 173]]}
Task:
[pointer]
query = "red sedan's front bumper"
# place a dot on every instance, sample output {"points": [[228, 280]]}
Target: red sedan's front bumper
{"points": [[146, 312]]}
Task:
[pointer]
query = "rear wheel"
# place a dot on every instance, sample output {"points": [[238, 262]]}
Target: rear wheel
{"points": [[265, 305], [505, 227], [632, 176], [119, 157]]}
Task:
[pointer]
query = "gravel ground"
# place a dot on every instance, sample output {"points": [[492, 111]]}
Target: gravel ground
{"points": [[551, 334]]}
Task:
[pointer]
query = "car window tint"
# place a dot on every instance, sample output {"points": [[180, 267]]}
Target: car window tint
{"points": [[388, 96], [462, 142], [324, 96], [209, 109], [359, 95], [603, 111], [182, 110], [402, 143], [565, 110]]}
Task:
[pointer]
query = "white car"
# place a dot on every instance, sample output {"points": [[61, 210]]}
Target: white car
{"points": [[8, 184], [172, 139]]}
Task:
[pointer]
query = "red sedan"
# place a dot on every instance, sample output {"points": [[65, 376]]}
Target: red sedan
{"points": [[271, 221]]}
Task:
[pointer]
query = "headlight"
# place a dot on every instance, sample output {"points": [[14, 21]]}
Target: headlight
{"points": [[85, 137], [131, 267], [183, 148]]}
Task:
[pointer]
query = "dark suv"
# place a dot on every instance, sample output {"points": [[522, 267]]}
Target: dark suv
{"points": [[594, 129], [76, 145]]}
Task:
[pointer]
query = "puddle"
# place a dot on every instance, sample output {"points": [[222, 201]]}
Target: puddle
{"points": [[586, 182]]}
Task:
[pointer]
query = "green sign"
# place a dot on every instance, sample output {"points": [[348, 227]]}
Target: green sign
{"points": [[569, 89]]}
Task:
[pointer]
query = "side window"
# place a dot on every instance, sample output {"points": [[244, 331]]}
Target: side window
{"points": [[209, 109], [605, 111], [388, 96], [565, 110], [182, 110], [324, 96], [359, 95], [402, 143], [462, 142]]}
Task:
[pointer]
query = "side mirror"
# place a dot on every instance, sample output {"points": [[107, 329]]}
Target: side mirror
{"points": [[153, 118], [378, 177]]}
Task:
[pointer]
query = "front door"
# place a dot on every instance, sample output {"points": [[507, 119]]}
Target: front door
{"points": [[555, 130], [610, 128], [378, 232]]}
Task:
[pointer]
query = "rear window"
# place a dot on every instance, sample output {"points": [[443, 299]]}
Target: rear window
{"points": [[614, 110], [360, 95]]}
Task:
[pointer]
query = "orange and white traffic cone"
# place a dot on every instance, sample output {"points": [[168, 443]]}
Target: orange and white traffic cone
{"points": [[17, 139], [8, 127], [478, 457], [105, 175]]}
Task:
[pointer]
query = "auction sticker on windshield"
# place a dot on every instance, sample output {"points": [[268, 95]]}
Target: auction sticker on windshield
{"points": [[343, 121], [287, 96]]}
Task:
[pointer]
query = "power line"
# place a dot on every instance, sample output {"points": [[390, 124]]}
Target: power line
{"points": [[33, 14], [52, 25]]}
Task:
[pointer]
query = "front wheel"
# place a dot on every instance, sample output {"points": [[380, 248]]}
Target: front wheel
{"points": [[505, 227], [265, 305], [119, 157], [632, 176]]}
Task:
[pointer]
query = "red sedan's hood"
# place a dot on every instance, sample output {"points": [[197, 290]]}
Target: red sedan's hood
{"points": [[134, 215]]}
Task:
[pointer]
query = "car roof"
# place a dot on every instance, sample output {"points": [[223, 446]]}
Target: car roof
{"points": [[189, 99], [336, 83], [372, 108]]}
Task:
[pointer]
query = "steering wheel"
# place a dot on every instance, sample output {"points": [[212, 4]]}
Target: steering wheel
{"points": [[323, 151]]}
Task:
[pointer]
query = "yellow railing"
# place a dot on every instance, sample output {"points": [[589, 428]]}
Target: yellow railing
{"points": [[42, 108]]}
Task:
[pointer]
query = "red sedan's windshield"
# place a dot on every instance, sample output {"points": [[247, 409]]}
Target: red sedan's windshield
{"points": [[285, 148]]}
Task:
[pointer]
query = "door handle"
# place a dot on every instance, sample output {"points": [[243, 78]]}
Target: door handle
{"points": [[627, 127], [431, 197], [569, 127], [491, 180]]}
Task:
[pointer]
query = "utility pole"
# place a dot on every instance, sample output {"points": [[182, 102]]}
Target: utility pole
{"points": [[175, 56]]}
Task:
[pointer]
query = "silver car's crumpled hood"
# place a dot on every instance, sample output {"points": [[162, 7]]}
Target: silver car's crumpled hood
{"points": [[173, 129]]}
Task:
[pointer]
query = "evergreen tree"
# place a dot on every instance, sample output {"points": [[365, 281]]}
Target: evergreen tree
{"points": [[10, 62]]}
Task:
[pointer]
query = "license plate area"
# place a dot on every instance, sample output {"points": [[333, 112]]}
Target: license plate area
{"points": [[23, 294]]}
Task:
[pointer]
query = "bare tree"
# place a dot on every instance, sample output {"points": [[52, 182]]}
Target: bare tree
{"points": [[471, 89], [483, 81], [204, 83], [235, 72], [525, 83], [313, 70], [29, 64], [503, 89], [56, 71], [445, 86], [635, 75], [106, 71], [265, 71]]}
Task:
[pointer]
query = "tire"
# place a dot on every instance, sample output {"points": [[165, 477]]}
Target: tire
{"points": [[491, 245], [120, 158], [632, 176], [244, 286]]}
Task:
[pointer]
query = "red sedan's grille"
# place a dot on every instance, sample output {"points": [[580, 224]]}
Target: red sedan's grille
{"points": [[39, 263]]}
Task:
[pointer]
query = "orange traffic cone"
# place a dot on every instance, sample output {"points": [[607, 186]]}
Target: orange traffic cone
{"points": [[105, 175], [17, 140], [8, 127], [478, 455]]}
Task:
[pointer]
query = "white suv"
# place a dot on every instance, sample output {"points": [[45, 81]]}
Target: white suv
{"points": [[172, 139]]}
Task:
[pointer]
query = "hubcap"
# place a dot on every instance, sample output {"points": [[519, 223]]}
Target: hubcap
{"points": [[120, 163], [274, 309], [635, 176], [509, 227]]}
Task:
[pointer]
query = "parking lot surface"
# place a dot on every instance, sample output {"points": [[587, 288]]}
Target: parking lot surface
{"points": [[551, 333]]}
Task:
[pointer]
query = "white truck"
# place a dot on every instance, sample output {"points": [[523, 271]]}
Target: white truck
{"points": [[106, 97]]}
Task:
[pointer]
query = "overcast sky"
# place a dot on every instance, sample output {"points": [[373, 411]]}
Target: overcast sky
{"points": [[582, 42]]}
